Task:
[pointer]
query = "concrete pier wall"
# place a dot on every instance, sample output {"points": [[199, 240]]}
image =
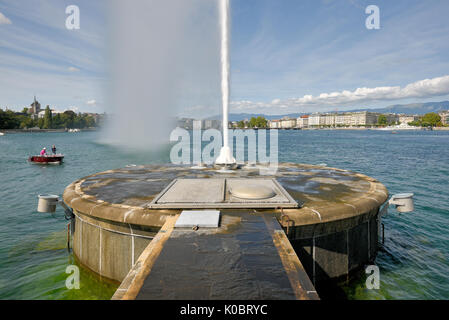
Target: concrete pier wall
{"points": [[108, 248], [340, 252]]}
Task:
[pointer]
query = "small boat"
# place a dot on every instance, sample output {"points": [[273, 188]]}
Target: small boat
{"points": [[47, 159], [2, 134]]}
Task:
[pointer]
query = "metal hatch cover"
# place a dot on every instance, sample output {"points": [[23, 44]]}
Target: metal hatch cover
{"points": [[223, 193], [198, 218]]}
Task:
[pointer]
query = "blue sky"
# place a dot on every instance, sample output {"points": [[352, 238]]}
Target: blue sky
{"points": [[286, 55], [38, 55]]}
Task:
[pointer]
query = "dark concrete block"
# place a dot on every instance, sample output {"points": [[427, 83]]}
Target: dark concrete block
{"points": [[358, 242], [331, 256], [304, 251], [374, 237]]}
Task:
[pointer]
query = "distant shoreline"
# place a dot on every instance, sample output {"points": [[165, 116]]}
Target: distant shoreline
{"points": [[353, 128], [41, 130], [281, 129]]}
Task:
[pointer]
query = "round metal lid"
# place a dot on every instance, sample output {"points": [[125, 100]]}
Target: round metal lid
{"points": [[48, 196], [403, 196], [252, 192]]}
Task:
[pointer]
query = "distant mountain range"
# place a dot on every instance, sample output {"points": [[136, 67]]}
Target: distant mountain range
{"points": [[241, 116], [413, 108]]}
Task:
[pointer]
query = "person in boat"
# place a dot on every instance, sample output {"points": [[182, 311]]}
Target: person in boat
{"points": [[53, 149], [44, 152]]}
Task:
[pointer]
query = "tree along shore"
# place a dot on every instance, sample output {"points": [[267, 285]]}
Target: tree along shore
{"points": [[38, 130], [69, 119]]}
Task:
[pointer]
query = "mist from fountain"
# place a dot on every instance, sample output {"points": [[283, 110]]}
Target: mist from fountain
{"points": [[164, 60]]}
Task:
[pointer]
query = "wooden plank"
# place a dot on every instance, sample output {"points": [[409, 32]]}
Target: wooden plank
{"points": [[299, 280], [131, 285]]}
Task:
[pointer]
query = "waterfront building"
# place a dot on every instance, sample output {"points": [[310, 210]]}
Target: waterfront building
{"points": [[364, 118], [444, 117], [314, 120], [34, 109], [347, 120], [340, 120], [97, 117], [329, 119], [371, 118], [41, 114], [302, 122], [322, 120], [406, 119], [275, 124], [211, 124], [185, 123], [100, 119], [288, 123], [392, 118]]}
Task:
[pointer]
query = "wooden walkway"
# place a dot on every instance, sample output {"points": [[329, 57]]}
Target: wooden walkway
{"points": [[248, 258]]}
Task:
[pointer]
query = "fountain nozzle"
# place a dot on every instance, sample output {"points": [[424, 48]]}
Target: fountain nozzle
{"points": [[225, 159]]}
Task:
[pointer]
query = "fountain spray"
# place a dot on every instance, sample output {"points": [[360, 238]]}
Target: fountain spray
{"points": [[225, 157]]}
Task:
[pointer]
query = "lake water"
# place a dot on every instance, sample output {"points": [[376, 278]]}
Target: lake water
{"points": [[413, 262]]}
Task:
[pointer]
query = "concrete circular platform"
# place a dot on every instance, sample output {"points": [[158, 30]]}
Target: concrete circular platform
{"points": [[334, 232]]}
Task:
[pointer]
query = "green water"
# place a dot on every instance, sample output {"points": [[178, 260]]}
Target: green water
{"points": [[33, 246], [413, 261]]}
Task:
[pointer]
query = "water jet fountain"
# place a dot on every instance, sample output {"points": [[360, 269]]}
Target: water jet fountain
{"points": [[225, 158]]}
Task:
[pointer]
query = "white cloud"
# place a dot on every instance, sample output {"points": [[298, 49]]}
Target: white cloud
{"points": [[420, 89], [73, 69], [91, 102], [4, 20], [73, 108]]}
